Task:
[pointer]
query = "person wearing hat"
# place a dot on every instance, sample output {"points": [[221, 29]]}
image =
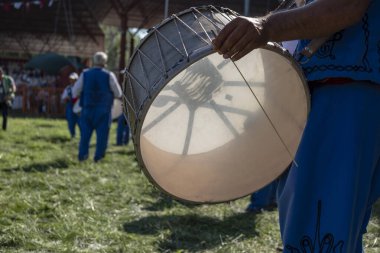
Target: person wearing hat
{"points": [[97, 87], [69, 100], [7, 94]]}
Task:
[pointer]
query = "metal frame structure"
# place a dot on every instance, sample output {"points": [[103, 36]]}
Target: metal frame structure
{"points": [[72, 27]]}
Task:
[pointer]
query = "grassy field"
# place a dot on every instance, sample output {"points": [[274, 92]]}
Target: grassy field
{"points": [[49, 202]]}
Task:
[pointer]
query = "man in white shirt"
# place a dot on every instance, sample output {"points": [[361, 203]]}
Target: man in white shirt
{"points": [[97, 88]]}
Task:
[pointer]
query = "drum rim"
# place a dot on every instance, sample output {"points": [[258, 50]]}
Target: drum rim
{"points": [[192, 58], [139, 120], [168, 19]]}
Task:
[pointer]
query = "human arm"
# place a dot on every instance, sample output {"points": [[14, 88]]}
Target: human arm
{"points": [[64, 96], [11, 88], [115, 86], [13, 84], [78, 86], [320, 18]]}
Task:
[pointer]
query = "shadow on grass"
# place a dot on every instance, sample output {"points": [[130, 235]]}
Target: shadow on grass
{"points": [[118, 151], [41, 167], [193, 233], [45, 125], [121, 150], [165, 202], [9, 243], [52, 139]]}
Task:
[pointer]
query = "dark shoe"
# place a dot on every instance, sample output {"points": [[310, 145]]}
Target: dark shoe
{"points": [[97, 159], [84, 158]]}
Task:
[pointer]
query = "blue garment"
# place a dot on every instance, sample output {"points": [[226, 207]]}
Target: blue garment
{"points": [[96, 102], [264, 198], [96, 89], [353, 52], [98, 119], [71, 117], [325, 201], [122, 131]]}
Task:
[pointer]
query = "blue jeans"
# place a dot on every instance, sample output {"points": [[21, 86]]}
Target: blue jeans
{"points": [[98, 119], [72, 119]]}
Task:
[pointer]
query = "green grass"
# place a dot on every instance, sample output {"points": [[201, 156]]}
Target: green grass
{"points": [[49, 202]]}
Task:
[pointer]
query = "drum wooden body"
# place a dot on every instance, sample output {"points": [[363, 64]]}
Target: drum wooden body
{"points": [[206, 129]]}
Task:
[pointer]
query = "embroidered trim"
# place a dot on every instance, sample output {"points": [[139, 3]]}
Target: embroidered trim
{"points": [[326, 244], [327, 52], [327, 48]]}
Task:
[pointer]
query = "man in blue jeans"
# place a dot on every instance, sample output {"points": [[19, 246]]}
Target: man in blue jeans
{"points": [[69, 100], [97, 88], [325, 200]]}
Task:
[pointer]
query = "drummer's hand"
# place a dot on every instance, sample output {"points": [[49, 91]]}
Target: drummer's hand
{"points": [[239, 37]]}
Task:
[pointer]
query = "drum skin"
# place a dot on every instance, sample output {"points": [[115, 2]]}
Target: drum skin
{"points": [[117, 109], [206, 129]]}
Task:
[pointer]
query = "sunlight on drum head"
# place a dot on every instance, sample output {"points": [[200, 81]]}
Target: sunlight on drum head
{"points": [[202, 108]]}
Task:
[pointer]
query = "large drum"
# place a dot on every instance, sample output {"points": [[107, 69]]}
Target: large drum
{"points": [[117, 109], [206, 129]]}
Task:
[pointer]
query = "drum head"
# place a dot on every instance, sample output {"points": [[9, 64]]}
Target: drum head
{"points": [[221, 130], [117, 109]]}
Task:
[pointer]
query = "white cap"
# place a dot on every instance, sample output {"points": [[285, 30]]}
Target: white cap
{"points": [[100, 59], [73, 76]]}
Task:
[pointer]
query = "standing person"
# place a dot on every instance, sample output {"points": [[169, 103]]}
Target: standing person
{"points": [[97, 88], [122, 131], [325, 200], [7, 95], [69, 100]]}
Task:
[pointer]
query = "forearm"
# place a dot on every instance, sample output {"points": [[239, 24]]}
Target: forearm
{"points": [[320, 18], [114, 85], [78, 86]]}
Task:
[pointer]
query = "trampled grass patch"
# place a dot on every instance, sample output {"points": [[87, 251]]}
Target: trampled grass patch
{"points": [[49, 202]]}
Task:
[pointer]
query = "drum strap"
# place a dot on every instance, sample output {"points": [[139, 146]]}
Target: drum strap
{"points": [[313, 47]]}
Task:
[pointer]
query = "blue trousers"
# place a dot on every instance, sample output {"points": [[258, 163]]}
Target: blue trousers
{"points": [[98, 119], [72, 119], [122, 131], [263, 198], [325, 202], [4, 109]]}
